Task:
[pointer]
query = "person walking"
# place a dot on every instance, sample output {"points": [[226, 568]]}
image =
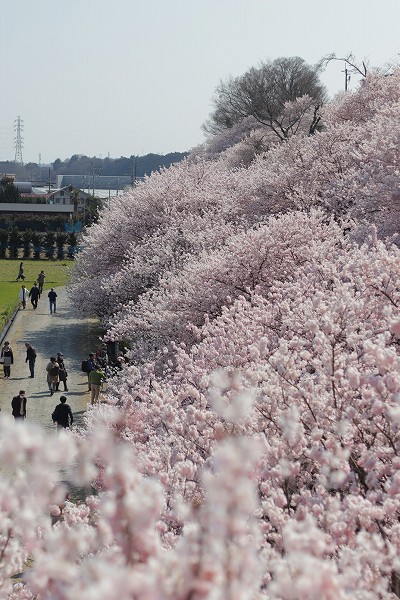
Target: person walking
{"points": [[62, 414], [40, 279], [52, 295], [31, 358], [7, 357], [62, 376], [23, 295], [53, 370], [96, 378], [21, 272], [18, 405], [101, 357], [90, 366], [34, 295]]}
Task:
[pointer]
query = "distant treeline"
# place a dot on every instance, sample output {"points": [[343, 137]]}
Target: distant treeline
{"points": [[79, 164]]}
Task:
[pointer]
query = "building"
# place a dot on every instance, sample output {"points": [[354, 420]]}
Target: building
{"points": [[20, 208], [95, 182], [64, 201], [24, 187], [68, 195]]}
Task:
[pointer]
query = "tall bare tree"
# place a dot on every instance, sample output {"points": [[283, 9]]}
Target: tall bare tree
{"points": [[265, 93]]}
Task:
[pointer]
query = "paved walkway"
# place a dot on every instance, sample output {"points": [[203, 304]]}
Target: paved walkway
{"points": [[65, 332]]}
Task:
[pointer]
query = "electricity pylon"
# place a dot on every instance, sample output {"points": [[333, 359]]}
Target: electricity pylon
{"points": [[18, 139]]}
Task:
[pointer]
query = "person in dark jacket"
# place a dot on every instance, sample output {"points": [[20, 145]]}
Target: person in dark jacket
{"points": [[8, 359], [90, 366], [52, 296], [30, 357], [62, 375], [34, 295], [18, 405], [40, 279], [62, 414], [21, 272]]}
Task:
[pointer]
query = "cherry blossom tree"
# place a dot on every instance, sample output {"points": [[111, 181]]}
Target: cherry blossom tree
{"points": [[320, 358], [349, 170], [250, 446], [250, 261], [152, 228]]}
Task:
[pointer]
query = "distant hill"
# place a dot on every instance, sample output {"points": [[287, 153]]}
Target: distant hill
{"points": [[79, 164]]}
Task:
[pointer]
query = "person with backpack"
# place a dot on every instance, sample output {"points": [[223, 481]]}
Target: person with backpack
{"points": [[31, 358], [62, 414], [53, 371], [88, 365]]}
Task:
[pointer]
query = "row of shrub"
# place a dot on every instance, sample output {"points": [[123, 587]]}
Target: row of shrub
{"points": [[23, 199], [32, 244]]}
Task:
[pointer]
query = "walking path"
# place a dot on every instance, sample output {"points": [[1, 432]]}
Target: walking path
{"points": [[63, 331]]}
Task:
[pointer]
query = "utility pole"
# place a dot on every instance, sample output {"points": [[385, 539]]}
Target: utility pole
{"points": [[39, 177], [18, 139], [346, 78], [134, 171]]}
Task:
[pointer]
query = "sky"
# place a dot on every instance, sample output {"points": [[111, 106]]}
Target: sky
{"points": [[128, 77]]}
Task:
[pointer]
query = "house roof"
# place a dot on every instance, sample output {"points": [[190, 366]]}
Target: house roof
{"points": [[50, 209], [67, 188], [35, 195]]}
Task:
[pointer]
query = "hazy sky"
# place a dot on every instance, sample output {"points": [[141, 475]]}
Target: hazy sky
{"points": [[123, 77]]}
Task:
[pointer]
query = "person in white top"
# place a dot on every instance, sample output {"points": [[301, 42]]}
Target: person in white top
{"points": [[23, 295]]}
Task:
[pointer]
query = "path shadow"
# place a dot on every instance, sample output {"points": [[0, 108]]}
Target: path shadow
{"points": [[79, 413], [70, 338]]}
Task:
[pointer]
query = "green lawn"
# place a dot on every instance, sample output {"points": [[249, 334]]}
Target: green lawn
{"points": [[56, 275]]}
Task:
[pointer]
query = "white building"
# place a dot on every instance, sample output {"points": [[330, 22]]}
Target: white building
{"points": [[67, 195]]}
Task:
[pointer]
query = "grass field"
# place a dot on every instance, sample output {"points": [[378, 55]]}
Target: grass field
{"points": [[56, 275]]}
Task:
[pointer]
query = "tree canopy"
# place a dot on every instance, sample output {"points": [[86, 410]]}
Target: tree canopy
{"points": [[264, 93], [8, 191]]}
